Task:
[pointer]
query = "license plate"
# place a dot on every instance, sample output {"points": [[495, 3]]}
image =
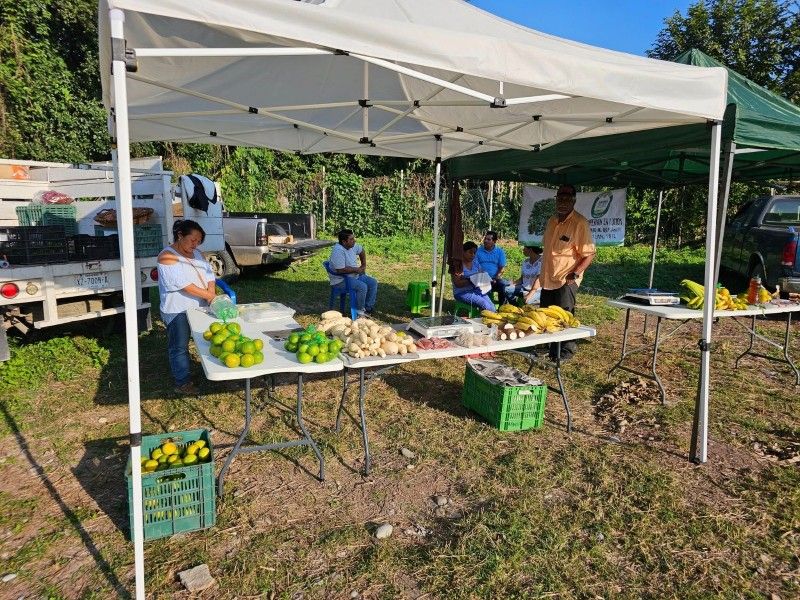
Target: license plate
{"points": [[94, 281]]}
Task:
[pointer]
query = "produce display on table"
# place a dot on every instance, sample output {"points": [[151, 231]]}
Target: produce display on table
{"points": [[312, 345], [364, 337], [231, 348], [513, 322], [695, 297], [171, 456]]}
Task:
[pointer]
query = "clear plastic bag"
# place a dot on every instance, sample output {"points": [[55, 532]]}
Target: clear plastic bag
{"points": [[51, 197], [223, 308]]}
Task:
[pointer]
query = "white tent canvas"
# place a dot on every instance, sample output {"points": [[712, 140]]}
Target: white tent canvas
{"points": [[424, 68], [411, 78]]}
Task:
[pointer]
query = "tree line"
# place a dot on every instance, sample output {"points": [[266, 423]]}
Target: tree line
{"points": [[51, 109]]}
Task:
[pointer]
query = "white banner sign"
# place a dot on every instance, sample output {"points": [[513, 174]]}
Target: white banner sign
{"points": [[605, 212]]}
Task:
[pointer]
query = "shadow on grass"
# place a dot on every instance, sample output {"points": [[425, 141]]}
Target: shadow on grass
{"points": [[102, 564]]}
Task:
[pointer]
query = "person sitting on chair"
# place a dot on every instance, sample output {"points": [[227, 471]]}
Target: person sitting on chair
{"points": [[463, 288], [493, 260], [349, 259], [527, 286]]}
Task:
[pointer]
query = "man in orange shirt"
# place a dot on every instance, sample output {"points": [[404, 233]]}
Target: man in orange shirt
{"points": [[568, 252]]}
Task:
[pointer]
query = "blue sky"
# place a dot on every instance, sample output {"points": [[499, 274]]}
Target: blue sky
{"points": [[625, 25]]}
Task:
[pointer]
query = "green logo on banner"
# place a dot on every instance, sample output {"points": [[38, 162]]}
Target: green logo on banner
{"points": [[601, 204]]}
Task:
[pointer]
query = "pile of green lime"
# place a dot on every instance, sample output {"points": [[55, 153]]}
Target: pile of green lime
{"points": [[313, 346], [231, 347]]}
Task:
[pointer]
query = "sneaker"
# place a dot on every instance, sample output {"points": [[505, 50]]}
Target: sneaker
{"points": [[369, 311], [361, 313], [187, 389]]}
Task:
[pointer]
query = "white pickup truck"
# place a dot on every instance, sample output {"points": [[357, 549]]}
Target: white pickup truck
{"points": [[43, 291]]}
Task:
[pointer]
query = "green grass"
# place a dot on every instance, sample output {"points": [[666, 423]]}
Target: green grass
{"points": [[531, 514]]}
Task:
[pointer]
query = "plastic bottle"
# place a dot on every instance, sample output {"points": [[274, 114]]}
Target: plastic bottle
{"points": [[752, 290]]}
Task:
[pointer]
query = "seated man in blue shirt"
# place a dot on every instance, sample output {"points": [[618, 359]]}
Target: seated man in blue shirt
{"points": [[493, 260], [348, 259]]}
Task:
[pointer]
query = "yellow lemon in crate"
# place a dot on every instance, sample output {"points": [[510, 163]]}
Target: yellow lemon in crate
{"points": [[192, 448], [203, 453], [156, 453], [150, 465], [190, 459], [169, 448]]}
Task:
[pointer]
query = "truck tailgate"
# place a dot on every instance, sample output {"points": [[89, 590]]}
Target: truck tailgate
{"points": [[304, 245]]}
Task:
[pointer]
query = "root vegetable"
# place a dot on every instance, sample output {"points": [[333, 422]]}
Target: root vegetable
{"points": [[330, 314]]}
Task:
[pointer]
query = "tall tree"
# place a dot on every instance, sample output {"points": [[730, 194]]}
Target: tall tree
{"points": [[758, 38], [50, 105]]}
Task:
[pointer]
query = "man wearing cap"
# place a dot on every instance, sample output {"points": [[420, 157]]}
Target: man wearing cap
{"points": [[568, 252]]}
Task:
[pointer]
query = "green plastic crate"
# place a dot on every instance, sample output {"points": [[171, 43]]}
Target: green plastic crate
{"points": [[65, 215], [175, 500], [509, 408], [147, 240]]}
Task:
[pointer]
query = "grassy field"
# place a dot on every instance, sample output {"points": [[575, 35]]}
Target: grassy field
{"points": [[604, 512]]}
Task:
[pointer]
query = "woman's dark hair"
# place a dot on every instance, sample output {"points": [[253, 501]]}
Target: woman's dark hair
{"points": [[344, 234], [184, 227], [470, 246]]}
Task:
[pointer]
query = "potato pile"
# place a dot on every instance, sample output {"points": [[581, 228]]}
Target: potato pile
{"points": [[364, 337]]}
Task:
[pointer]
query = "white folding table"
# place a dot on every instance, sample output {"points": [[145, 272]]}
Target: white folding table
{"points": [[687, 315], [359, 366], [276, 360]]}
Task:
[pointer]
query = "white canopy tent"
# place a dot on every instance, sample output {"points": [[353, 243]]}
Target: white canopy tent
{"points": [[406, 78]]}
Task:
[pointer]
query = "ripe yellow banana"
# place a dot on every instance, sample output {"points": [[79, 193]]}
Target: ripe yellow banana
{"points": [[510, 308], [488, 314]]}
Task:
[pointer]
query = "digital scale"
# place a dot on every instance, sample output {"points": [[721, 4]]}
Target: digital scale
{"points": [[652, 296], [445, 326]]}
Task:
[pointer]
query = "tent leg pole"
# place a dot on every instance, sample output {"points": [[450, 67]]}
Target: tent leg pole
{"points": [[443, 281], [698, 452], [722, 213], [436, 192], [655, 246], [122, 183], [655, 240]]}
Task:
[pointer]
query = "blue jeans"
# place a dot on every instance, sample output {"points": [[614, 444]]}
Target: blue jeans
{"points": [[475, 298], [517, 291], [366, 289], [178, 334]]}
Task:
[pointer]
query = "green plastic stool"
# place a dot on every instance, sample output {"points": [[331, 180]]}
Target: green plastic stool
{"points": [[418, 296], [469, 311]]}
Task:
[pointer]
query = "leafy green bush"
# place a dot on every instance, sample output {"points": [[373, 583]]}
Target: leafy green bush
{"points": [[59, 359]]}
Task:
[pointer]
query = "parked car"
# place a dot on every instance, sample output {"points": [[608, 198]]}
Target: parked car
{"points": [[271, 238], [761, 240]]}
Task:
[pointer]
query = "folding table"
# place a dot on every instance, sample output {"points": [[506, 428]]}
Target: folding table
{"points": [[686, 315], [276, 360], [355, 370]]}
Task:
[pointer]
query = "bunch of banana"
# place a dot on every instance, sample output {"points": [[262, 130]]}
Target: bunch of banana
{"points": [[695, 297], [530, 319]]}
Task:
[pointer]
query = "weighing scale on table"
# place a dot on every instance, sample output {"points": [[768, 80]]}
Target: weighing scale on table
{"points": [[445, 326], [652, 296]]}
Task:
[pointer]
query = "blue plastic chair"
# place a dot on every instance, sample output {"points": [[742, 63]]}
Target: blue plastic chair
{"points": [[342, 294]]}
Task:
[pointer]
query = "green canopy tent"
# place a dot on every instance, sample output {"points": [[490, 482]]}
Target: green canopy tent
{"points": [[763, 127], [761, 140]]}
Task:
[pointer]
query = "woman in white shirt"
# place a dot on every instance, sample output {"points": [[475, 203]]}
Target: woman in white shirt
{"points": [[185, 280], [528, 286]]}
